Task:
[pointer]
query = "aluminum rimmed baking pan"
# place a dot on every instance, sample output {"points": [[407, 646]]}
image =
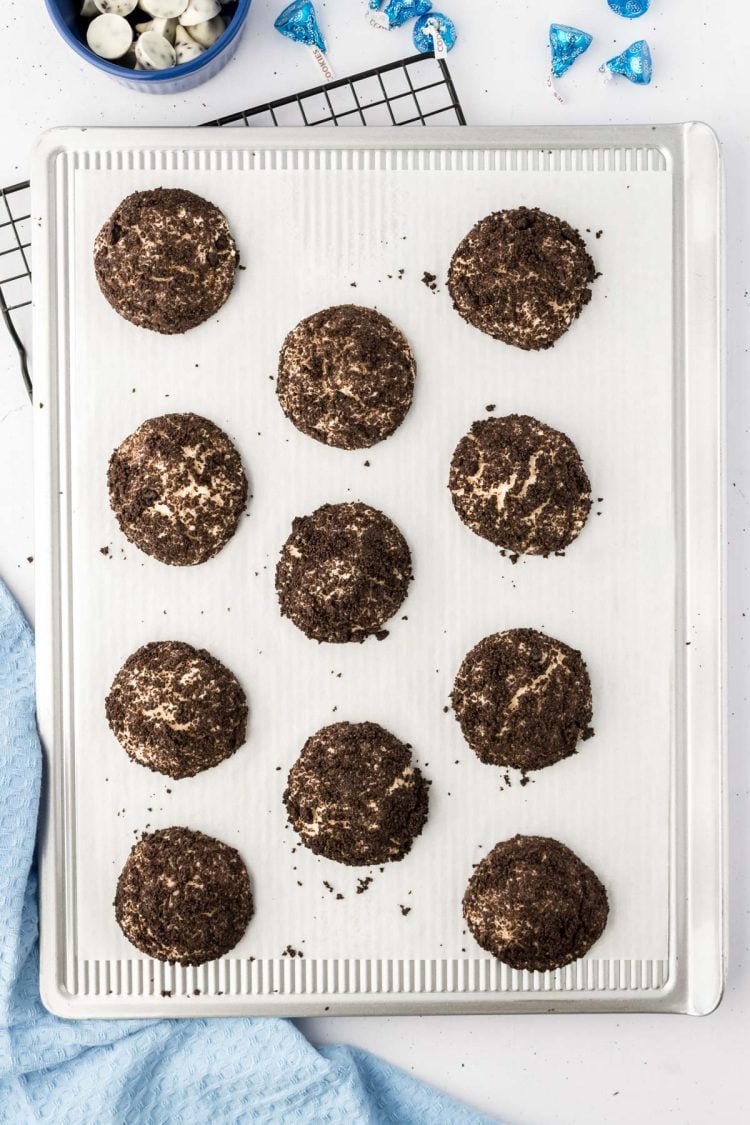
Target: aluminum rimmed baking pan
{"points": [[636, 383]]}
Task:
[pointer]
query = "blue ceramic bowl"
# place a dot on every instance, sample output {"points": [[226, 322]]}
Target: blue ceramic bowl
{"points": [[66, 18]]}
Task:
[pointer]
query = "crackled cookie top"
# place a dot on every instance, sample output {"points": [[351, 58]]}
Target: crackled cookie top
{"points": [[534, 904], [183, 896], [176, 709], [520, 484], [166, 259], [346, 377], [523, 699], [177, 488], [522, 276], [354, 795], [343, 572]]}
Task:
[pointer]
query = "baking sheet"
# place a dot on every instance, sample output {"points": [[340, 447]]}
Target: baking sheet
{"points": [[310, 237], [303, 239]]}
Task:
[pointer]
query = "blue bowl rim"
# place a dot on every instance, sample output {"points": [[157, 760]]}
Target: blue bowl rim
{"points": [[124, 72]]}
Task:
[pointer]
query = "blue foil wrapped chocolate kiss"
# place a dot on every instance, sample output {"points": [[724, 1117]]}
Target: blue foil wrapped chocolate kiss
{"points": [[400, 12], [566, 44], [445, 28], [299, 23], [631, 9], [634, 63], [374, 4]]}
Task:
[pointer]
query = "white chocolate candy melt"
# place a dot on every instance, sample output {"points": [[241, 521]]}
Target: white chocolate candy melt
{"points": [[116, 7], [179, 31], [163, 9], [165, 27], [199, 11], [153, 52], [109, 36], [207, 33], [186, 47]]}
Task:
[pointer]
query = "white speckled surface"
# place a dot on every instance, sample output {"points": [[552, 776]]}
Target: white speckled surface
{"points": [[530, 1070]]}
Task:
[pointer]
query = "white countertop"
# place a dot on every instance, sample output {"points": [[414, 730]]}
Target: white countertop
{"points": [[524, 1069]]}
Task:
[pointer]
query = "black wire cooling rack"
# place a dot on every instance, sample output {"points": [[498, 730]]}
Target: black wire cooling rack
{"points": [[414, 91], [15, 269]]}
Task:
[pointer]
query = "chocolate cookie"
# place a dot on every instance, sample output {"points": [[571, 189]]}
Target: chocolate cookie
{"points": [[343, 572], [346, 377], [520, 484], [354, 796], [166, 259], [176, 709], [178, 488], [522, 276], [534, 904], [183, 896], [523, 699]]}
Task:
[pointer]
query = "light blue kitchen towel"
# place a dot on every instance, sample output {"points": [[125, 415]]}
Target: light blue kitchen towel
{"points": [[152, 1072]]}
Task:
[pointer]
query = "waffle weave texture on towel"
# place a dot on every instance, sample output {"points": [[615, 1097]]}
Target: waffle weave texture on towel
{"points": [[152, 1072]]}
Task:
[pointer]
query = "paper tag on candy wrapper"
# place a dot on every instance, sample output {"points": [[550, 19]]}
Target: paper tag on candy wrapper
{"points": [[439, 49], [377, 19], [322, 62]]}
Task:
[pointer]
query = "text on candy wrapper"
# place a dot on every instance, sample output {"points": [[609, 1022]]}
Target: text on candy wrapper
{"points": [[432, 28], [378, 20], [321, 61]]}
